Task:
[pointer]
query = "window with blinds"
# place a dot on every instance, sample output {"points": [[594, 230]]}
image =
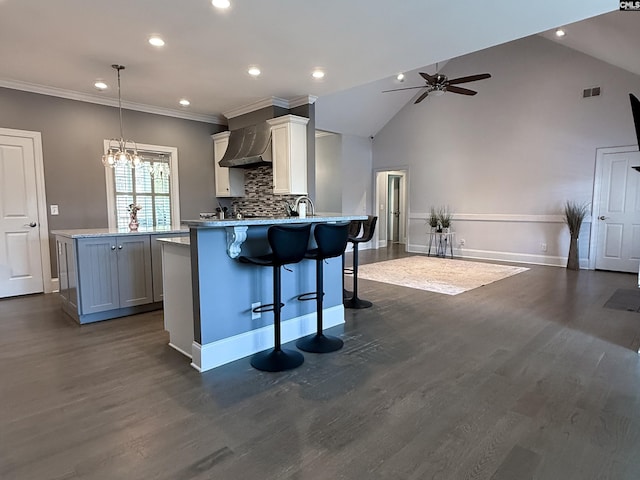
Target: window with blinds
{"points": [[138, 186]]}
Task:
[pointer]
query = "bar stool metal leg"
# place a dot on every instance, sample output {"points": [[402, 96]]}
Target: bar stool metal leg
{"points": [[319, 342], [355, 302], [278, 359]]}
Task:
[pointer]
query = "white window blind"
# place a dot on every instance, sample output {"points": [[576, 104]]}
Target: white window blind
{"points": [[152, 193]]}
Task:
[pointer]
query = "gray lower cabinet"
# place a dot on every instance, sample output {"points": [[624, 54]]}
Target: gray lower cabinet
{"points": [[114, 276], [114, 272], [67, 273]]}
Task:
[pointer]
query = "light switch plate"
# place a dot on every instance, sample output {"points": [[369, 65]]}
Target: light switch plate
{"points": [[54, 209]]}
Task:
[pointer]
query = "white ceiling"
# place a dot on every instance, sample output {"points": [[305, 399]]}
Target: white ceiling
{"points": [[63, 46]]}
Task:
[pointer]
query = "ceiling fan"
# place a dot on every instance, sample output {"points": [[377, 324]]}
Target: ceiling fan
{"points": [[440, 83]]}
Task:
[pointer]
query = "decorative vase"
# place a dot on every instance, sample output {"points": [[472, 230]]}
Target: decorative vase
{"points": [[572, 261], [133, 224]]}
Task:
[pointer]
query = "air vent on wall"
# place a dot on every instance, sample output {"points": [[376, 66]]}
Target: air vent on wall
{"points": [[591, 92]]}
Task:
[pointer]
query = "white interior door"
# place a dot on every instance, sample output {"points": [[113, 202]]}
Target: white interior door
{"points": [[618, 218], [20, 254]]}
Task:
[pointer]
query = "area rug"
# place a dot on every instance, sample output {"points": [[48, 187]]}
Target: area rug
{"points": [[624, 299], [441, 275]]}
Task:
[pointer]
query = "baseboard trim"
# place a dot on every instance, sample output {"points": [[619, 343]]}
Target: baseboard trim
{"points": [[180, 350], [212, 355], [512, 257]]}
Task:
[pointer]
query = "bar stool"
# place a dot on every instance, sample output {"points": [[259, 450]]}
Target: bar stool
{"points": [[331, 240], [354, 230], [368, 227], [288, 244]]}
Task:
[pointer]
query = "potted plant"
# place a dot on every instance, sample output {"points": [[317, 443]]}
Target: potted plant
{"points": [[432, 219], [444, 218], [574, 214]]}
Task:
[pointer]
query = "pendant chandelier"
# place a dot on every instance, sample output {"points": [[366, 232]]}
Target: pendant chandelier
{"points": [[120, 151]]}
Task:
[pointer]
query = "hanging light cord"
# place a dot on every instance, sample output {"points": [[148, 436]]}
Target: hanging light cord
{"points": [[118, 68]]}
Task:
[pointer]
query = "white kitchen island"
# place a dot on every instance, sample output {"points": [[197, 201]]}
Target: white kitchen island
{"points": [[220, 326]]}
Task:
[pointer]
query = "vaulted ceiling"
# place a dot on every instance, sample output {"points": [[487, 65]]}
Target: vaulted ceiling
{"points": [[63, 47]]}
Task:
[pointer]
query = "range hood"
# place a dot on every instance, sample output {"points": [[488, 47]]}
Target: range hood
{"points": [[249, 147]]}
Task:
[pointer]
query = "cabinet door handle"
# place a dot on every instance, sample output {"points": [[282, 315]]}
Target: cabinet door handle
{"points": [[119, 247], [113, 247]]}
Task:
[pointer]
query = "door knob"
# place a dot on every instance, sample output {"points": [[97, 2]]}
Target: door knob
{"points": [[602, 217], [32, 224]]}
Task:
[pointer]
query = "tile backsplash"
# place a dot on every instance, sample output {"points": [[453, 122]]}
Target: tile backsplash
{"points": [[259, 199]]}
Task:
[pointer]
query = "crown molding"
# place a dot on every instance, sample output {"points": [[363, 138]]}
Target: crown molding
{"points": [[257, 105], [270, 102], [88, 98], [303, 100]]}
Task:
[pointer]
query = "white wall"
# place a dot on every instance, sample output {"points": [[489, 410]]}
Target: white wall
{"points": [[508, 158], [328, 162]]}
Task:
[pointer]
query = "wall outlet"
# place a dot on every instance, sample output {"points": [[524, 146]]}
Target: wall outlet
{"points": [[462, 242], [543, 247], [255, 315]]}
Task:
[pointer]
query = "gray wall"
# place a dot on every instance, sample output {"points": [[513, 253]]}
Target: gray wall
{"points": [[514, 153], [356, 175], [328, 165], [72, 140]]}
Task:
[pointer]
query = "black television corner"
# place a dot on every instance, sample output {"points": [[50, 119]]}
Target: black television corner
{"points": [[635, 110]]}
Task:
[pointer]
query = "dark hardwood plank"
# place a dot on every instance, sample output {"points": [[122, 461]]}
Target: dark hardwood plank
{"points": [[528, 377]]}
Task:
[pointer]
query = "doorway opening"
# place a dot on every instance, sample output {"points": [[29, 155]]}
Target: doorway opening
{"points": [[392, 207]]}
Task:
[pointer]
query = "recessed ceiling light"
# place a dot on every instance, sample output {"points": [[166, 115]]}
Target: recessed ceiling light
{"points": [[156, 41], [254, 71], [100, 85], [317, 74], [400, 77], [184, 102], [560, 33], [221, 3]]}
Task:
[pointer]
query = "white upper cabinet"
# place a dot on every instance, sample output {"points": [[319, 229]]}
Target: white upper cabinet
{"points": [[229, 181], [289, 148]]}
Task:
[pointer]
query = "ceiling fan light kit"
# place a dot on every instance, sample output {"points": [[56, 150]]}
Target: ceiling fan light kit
{"points": [[438, 84]]}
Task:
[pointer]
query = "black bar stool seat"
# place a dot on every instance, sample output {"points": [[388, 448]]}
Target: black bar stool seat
{"points": [[331, 240], [289, 244], [368, 227]]}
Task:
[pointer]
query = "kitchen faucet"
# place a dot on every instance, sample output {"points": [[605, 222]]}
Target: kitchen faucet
{"points": [[307, 200]]}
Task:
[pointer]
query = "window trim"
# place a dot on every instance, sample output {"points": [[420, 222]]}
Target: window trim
{"points": [[174, 190]]}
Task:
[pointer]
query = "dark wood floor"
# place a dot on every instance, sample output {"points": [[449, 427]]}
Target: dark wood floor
{"points": [[526, 378]]}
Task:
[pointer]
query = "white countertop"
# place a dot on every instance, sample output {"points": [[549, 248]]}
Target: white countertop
{"points": [[106, 232], [186, 241], [276, 220]]}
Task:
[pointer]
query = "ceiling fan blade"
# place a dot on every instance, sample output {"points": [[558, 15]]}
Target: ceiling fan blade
{"points": [[462, 91], [422, 97], [470, 78], [427, 77], [406, 88]]}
